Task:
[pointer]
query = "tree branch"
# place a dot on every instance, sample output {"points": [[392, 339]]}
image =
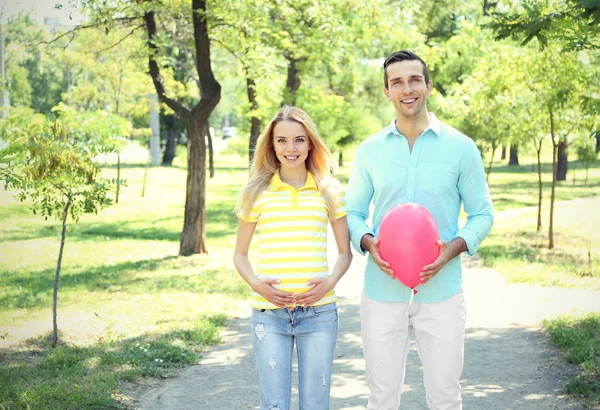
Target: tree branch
{"points": [[181, 110], [121, 40], [210, 90], [83, 27]]}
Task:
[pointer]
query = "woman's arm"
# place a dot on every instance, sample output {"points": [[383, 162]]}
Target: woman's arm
{"points": [[263, 287]]}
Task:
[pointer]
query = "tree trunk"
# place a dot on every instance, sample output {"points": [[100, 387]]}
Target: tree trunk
{"points": [[146, 175], [489, 169], [538, 150], [255, 123], [503, 156], [552, 192], [587, 169], [118, 177], [169, 153], [57, 275], [563, 162], [292, 83], [597, 135], [193, 235], [341, 159], [514, 155], [211, 152]]}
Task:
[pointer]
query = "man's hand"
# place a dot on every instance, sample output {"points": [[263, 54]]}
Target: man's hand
{"points": [[265, 288], [448, 251], [371, 244], [320, 288]]}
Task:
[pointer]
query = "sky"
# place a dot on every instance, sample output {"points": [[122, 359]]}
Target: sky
{"points": [[40, 9]]}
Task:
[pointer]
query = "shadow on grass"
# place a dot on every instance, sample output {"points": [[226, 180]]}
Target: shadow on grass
{"points": [[546, 167], [35, 289], [71, 377], [160, 230], [531, 247]]}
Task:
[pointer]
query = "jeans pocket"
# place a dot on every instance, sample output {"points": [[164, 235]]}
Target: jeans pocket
{"points": [[324, 309]]}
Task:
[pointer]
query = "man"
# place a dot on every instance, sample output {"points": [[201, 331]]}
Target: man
{"points": [[418, 159]]}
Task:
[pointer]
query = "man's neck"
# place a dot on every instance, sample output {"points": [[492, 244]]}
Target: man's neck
{"points": [[412, 127]]}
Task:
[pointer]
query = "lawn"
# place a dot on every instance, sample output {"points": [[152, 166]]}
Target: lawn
{"points": [[129, 307]]}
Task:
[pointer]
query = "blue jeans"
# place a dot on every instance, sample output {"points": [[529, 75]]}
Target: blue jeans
{"points": [[315, 331]]}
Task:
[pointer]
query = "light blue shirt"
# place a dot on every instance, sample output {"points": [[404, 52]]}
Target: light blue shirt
{"points": [[443, 172]]}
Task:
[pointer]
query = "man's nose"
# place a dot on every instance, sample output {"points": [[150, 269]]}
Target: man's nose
{"points": [[405, 87]]}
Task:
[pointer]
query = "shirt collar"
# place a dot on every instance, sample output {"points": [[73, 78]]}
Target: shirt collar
{"points": [[434, 125], [277, 183]]}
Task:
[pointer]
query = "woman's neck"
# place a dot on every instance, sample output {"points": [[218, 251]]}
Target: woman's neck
{"points": [[295, 177]]}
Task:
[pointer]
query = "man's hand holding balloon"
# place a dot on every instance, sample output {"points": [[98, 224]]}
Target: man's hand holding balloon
{"points": [[448, 251]]}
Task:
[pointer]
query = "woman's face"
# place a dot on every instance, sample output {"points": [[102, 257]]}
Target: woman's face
{"points": [[291, 144]]}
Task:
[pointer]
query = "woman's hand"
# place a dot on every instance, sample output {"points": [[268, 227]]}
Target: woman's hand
{"points": [[265, 288], [320, 288]]}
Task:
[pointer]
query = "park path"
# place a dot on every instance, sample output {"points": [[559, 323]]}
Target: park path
{"points": [[508, 361]]}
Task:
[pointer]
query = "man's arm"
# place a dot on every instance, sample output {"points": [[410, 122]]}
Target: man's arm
{"points": [[477, 202], [358, 198]]}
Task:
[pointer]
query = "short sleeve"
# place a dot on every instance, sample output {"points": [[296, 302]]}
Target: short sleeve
{"points": [[340, 207], [254, 212]]}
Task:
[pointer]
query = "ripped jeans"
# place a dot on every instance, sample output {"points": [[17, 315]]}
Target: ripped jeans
{"points": [[315, 331]]}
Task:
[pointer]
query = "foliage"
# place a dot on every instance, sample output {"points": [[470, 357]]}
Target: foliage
{"points": [[51, 161], [585, 148], [108, 71], [36, 74], [572, 23]]}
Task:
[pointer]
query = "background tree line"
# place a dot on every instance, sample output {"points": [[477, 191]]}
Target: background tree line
{"points": [[508, 75]]}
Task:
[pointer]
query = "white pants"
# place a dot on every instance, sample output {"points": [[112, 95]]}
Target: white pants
{"points": [[440, 335]]}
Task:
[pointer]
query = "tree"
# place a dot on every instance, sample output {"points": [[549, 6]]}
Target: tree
{"points": [[159, 42], [585, 149], [51, 162], [36, 75], [558, 81], [491, 88]]}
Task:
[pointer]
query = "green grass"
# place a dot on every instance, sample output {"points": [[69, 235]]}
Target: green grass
{"points": [[517, 186], [129, 307], [579, 339], [518, 251]]}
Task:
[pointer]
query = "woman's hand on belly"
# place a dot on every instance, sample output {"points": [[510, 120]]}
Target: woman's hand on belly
{"points": [[321, 286], [265, 288]]}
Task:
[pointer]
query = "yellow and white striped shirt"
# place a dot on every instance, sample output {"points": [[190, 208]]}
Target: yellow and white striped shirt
{"points": [[292, 230]]}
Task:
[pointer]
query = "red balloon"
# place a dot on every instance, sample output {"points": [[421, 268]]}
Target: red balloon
{"points": [[408, 238]]}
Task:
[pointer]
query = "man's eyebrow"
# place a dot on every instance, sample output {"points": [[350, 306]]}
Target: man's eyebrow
{"points": [[410, 76]]}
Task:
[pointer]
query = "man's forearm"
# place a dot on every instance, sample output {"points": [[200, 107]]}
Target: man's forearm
{"points": [[365, 241]]}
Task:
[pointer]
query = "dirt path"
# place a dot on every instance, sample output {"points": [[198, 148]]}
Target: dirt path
{"points": [[508, 362]]}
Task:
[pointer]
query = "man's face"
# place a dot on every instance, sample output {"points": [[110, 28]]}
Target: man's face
{"points": [[407, 89]]}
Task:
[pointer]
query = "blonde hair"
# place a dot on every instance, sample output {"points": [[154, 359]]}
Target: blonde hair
{"points": [[320, 163]]}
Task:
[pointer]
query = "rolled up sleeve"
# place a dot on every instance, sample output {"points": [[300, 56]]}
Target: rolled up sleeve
{"points": [[477, 200]]}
